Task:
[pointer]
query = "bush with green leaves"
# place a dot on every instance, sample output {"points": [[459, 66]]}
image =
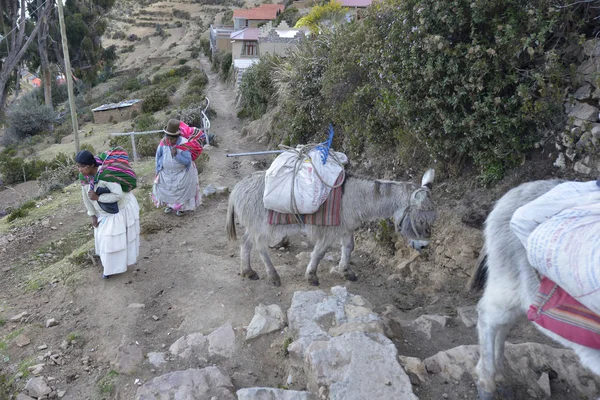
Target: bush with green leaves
{"points": [[257, 88], [29, 117], [155, 101], [462, 82], [145, 122], [472, 80]]}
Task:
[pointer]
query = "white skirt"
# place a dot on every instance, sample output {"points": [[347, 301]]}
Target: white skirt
{"points": [[117, 238]]}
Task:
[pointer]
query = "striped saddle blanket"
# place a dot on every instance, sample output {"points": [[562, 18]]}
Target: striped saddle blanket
{"points": [[555, 310], [327, 215]]}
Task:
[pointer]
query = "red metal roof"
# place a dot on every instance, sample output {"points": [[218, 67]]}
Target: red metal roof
{"points": [[263, 12], [245, 34], [356, 3]]}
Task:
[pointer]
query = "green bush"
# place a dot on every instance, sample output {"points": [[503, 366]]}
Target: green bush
{"points": [[21, 212], [226, 61], [205, 46], [17, 170], [131, 84], [257, 87], [197, 83], [464, 82], [145, 145], [181, 14], [145, 122], [29, 117], [155, 101]]}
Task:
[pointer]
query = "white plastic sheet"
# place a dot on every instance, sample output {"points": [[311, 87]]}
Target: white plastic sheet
{"points": [[309, 191], [563, 242]]}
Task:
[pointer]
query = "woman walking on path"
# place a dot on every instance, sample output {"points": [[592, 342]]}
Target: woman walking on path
{"points": [[107, 182], [176, 182]]}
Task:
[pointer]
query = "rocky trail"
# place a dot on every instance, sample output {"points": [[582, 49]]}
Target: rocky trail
{"points": [[183, 324]]}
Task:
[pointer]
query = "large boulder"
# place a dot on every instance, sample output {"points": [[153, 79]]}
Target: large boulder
{"points": [[263, 393], [357, 366], [191, 384]]}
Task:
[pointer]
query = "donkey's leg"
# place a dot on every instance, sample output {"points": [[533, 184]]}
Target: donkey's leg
{"points": [[504, 388], [262, 246], [315, 258], [496, 317], [245, 248], [343, 267]]}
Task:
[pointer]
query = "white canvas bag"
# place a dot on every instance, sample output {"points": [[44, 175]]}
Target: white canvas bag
{"points": [[298, 182]]}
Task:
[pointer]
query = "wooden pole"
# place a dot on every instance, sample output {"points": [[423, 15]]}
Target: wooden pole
{"points": [[68, 77]]}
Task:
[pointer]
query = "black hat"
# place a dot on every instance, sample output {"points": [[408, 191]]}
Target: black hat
{"points": [[84, 157]]}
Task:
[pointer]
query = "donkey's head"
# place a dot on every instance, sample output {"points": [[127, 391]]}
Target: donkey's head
{"points": [[415, 221]]}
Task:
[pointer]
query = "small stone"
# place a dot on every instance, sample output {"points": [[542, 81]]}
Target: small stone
{"points": [[19, 317], [61, 393], [136, 305], [53, 228], [51, 322], [544, 384], [154, 317], [532, 393], [22, 341], [64, 344], [445, 395], [42, 347]]}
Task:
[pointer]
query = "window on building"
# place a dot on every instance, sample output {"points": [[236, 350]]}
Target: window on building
{"points": [[250, 48], [246, 23]]}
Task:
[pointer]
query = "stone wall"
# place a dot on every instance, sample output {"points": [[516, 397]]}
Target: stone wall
{"points": [[578, 143]]}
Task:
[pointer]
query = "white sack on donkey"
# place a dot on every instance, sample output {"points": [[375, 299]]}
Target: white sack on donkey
{"points": [[300, 179]]}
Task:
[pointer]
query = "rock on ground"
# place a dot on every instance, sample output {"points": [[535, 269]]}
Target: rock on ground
{"points": [[262, 393], [191, 384], [37, 387], [266, 319], [355, 366]]}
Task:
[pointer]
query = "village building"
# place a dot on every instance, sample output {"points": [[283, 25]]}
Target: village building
{"points": [[220, 35], [116, 112], [250, 43]]}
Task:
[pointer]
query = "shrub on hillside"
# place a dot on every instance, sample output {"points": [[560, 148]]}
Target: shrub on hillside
{"points": [[205, 46], [466, 82], [226, 61], [155, 101], [29, 117], [145, 122], [145, 145], [257, 88], [472, 80]]}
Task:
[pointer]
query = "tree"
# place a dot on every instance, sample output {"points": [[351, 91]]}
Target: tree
{"points": [[321, 17], [17, 38]]}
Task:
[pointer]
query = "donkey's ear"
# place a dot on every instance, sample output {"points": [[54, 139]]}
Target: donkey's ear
{"points": [[428, 178]]}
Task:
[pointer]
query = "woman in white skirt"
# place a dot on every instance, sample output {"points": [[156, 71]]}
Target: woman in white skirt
{"points": [[113, 208], [176, 183]]}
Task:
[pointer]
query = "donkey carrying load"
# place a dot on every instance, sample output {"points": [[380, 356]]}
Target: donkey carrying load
{"points": [[511, 285], [362, 200]]}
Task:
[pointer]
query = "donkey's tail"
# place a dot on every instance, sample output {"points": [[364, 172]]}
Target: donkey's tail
{"points": [[479, 277], [231, 221]]}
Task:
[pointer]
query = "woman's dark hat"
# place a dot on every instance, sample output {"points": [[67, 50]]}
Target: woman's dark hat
{"points": [[172, 128], [84, 157]]}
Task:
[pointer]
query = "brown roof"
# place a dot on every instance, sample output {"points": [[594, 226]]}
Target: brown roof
{"points": [[263, 12]]}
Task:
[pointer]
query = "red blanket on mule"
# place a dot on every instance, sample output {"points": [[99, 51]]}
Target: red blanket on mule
{"points": [[555, 310], [327, 215]]}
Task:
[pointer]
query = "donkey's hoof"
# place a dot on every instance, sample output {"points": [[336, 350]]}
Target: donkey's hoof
{"points": [[275, 280], [483, 395], [252, 275], [350, 275], [312, 279]]}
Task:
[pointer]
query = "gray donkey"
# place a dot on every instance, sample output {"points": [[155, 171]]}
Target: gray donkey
{"points": [[362, 200], [511, 284]]}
